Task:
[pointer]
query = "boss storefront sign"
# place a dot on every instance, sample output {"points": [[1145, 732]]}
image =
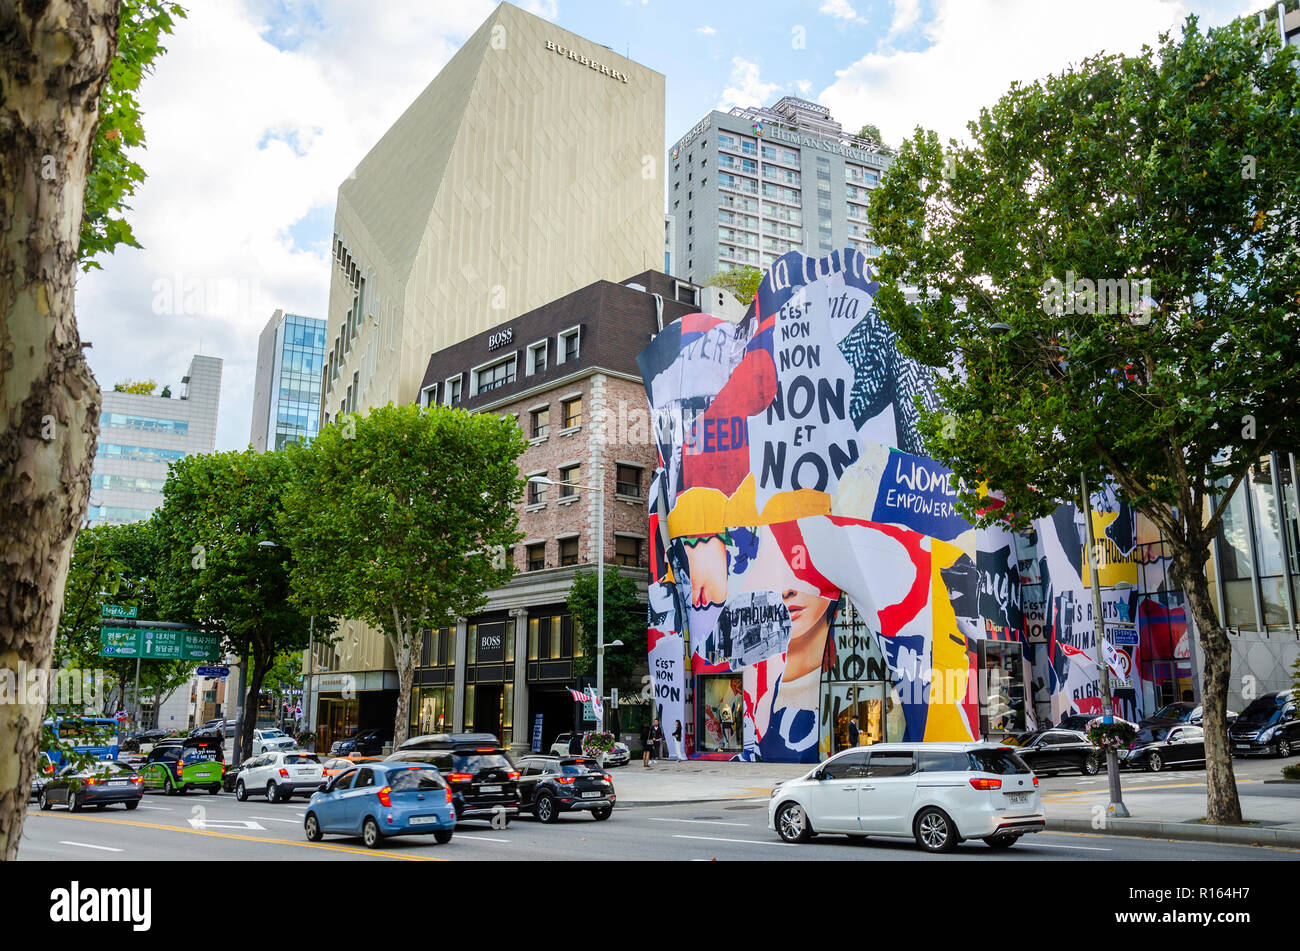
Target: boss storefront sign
{"points": [[583, 60], [501, 338], [491, 643]]}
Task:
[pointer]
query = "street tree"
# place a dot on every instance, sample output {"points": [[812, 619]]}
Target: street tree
{"points": [[224, 566], [871, 133], [1029, 249], [69, 72], [741, 281], [624, 621], [398, 519]]}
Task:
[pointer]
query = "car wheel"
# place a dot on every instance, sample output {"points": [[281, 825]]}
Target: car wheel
{"points": [[1000, 842], [1283, 747], [442, 836], [132, 805], [271, 794], [74, 803], [546, 811], [603, 813], [935, 831], [1091, 765], [45, 801], [240, 792], [792, 823], [168, 788], [312, 826], [1154, 762], [370, 833], [214, 789]]}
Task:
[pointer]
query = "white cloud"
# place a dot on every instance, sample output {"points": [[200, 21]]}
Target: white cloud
{"points": [[244, 141], [840, 9], [978, 48], [746, 88], [906, 13], [804, 86], [706, 30]]}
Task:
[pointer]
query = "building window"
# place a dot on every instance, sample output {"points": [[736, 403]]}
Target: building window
{"points": [[627, 551], [428, 395], [496, 376], [536, 492], [629, 481], [568, 551], [452, 391], [539, 422], [537, 556], [568, 344], [537, 358], [572, 410], [569, 474]]}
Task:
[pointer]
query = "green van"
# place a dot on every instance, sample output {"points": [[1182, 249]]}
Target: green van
{"points": [[175, 767]]}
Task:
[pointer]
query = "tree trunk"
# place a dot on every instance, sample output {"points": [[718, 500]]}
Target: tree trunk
{"points": [[1188, 572], [54, 60], [252, 693], [404, 654]]}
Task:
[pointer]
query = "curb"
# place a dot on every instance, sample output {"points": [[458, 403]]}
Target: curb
{"points": [[1189, 832]]}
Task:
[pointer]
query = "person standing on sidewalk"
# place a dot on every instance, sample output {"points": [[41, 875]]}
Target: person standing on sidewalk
{"points": [[645, 746], [854, 733], [677, 743], [655, 737]]}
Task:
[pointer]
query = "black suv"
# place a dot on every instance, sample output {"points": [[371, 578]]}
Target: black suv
{"points": [[551, 785], [1055, 750], [484, 783], [1269, 725], [366, 742]]}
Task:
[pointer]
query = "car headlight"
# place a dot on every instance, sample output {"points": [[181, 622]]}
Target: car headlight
{"points": [[1267, 735]]}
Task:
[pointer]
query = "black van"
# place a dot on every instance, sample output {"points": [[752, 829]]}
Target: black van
{"points": [[1268, 726], [484, 782]]}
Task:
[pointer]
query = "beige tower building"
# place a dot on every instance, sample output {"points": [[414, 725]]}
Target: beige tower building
{"points": [[530, 167]]}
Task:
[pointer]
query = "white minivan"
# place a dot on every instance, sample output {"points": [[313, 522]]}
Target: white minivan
{"points": [[936, 793]]}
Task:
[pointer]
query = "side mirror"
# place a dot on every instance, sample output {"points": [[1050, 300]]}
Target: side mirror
{"points": [[819, 775], [323, 787]]}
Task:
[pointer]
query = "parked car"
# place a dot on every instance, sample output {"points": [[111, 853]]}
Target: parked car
{"points": [[369, 742], [231, 776], [1268, 726], [550, 785], [280, 775], [43, 774], [939, 794], [378, 800], [99, 784], [175, 767], [1198, 715], [337, 764], [570, 744], [484, 782], [267, 741], [1160, 747], [1055, 750], [1171, 713], [1077, 721]]}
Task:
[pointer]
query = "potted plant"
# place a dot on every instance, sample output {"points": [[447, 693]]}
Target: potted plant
{"points": [[306, 740], [1116, 735], [597, 744]]}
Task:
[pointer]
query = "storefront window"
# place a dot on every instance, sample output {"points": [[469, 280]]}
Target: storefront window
{"points": [[510, 641], [433, 709], [471, 649], [534, 630], [1002, 688], [557, 644], [720, 712], [469, 708], [508, 711]]}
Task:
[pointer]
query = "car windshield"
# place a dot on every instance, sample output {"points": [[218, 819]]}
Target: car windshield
{"points": [[301, 758], [416, 777], [111, 767], [577, 769], [1172, 711], [268, 733], [473, 763], [1001, 761], [1260, 711]]}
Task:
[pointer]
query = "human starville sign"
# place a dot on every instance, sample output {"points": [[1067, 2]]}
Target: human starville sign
{"points": [[586, 61]]}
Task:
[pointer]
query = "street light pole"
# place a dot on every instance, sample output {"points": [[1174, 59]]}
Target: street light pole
{"points": [[1116, 809]]}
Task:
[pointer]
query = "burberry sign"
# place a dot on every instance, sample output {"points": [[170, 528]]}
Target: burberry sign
{"points": [[585, 61]]}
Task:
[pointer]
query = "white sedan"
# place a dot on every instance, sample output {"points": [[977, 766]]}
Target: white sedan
{"points": [[936, 793], [265, 741], [280, 776]]}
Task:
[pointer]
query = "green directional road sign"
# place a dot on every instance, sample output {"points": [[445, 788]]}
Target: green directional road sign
{"points": [[154, 643], [118, 610]]}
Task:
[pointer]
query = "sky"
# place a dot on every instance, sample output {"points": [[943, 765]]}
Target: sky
{"points": [[260, 108]]}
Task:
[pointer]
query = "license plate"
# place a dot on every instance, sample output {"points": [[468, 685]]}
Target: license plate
{"points": [[304, 772], [119, 782], [489, 789], [591, 795], [423, 820], [1018, 798], [1243, 746]]}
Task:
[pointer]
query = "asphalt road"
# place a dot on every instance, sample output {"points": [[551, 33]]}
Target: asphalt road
{"points": [[199, 827]]}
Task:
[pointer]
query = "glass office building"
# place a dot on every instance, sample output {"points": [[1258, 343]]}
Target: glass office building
{"points": [[286, 396]]}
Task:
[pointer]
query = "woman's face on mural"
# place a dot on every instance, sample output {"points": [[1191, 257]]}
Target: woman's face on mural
{"points": [[708, 567], [807, 611]]}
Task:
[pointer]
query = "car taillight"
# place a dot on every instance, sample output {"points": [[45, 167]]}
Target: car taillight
{"points": [[91, 780], [137, 779], [986, 783], [447, 790], [608, 778], [564, 780], [284, 773], [384, 798], [1035, 780], [460, 777], [514, 775]]}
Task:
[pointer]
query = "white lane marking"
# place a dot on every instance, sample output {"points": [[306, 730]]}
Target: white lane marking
{"points": [[703, 822], [1077, 848], [714, 838], [275, 819], [159, 808], [478, 838], [240, 824], [87, 845]]}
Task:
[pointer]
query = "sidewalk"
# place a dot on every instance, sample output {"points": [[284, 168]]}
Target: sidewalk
{"points": [[1168, 809]]}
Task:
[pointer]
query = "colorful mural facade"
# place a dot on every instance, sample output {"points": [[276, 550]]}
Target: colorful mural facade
{"points": [[791, 488]]}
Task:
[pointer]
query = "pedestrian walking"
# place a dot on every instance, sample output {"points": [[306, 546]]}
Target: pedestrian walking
{"points": [[854, 733], [677, 742], [654, 735]]}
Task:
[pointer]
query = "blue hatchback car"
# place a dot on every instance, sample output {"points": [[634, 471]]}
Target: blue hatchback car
{"points": [[378, 800]]}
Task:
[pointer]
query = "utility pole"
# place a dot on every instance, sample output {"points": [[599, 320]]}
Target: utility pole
{"points": [[1116, 808]]}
